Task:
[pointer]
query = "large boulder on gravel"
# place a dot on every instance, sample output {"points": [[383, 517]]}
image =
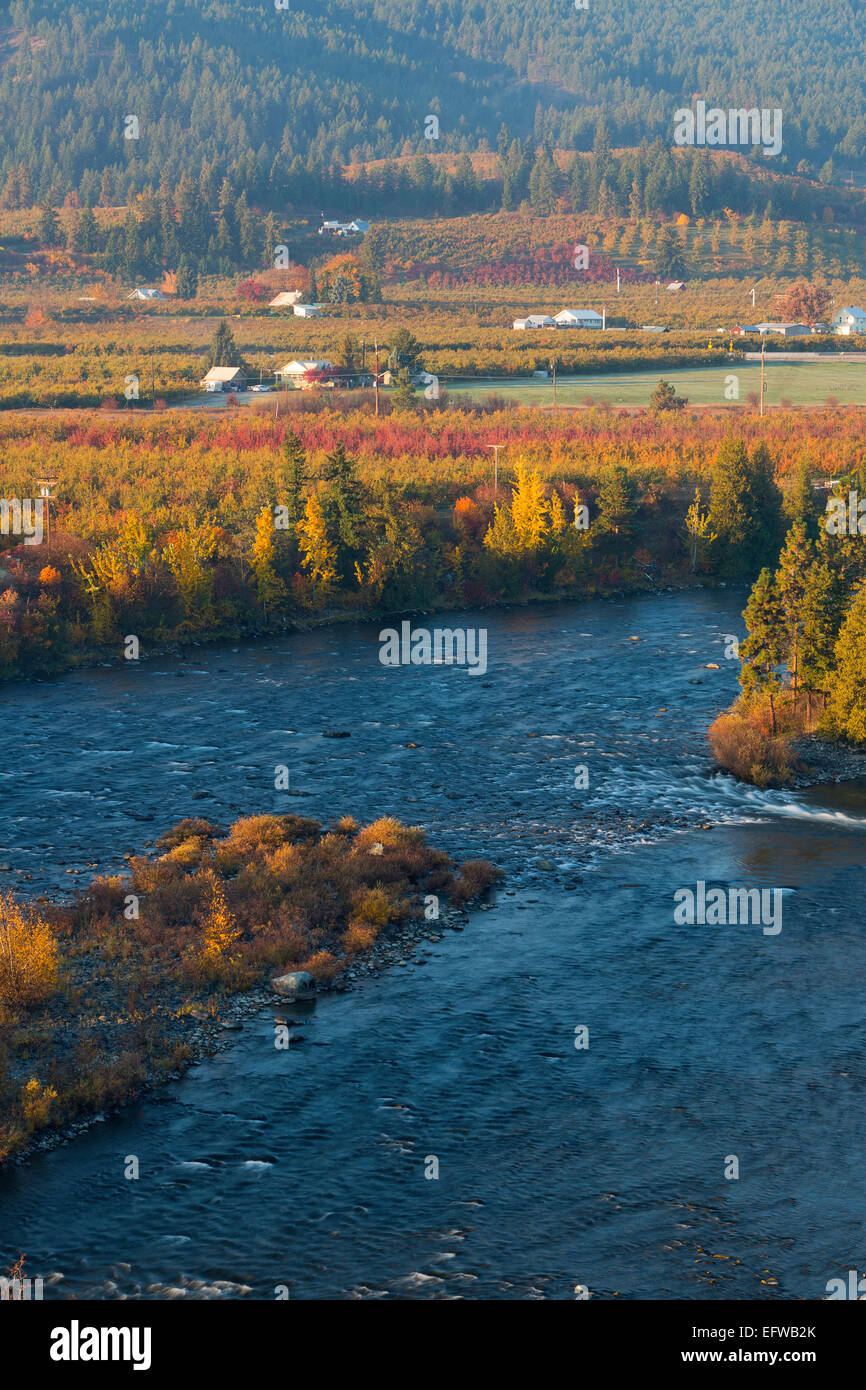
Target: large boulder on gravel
{"points": [[298, 984]]}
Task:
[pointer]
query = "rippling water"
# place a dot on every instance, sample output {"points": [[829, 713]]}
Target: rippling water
{"points": [[557, 1166]]}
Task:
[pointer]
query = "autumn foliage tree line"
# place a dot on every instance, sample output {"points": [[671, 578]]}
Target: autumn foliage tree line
{"points": [[38, 372], [173, 529]]}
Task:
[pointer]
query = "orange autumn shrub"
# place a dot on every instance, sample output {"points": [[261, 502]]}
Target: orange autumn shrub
{"points": [[358, 937]]}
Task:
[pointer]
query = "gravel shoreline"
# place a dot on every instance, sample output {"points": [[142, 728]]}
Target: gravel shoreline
{"points": [[206, 1035], [826, 762]]}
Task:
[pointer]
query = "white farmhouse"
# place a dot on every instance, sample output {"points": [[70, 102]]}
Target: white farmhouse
{"points": [[307, 311], [357, 227], [849, 321], [578, 318], [535, 321], [293, 373]]}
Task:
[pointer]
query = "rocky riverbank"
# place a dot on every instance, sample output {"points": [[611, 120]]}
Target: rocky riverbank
{"points": [[201, 1033], [824, 762]]}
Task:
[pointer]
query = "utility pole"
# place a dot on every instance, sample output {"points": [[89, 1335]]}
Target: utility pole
{"points": [[763, 345], [376, 378], [754, 287], [495, 448], [617, 279], [152, 384], [45, 494]]}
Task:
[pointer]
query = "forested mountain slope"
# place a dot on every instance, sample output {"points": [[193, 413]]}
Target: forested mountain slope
{"points": [[239, 82]]}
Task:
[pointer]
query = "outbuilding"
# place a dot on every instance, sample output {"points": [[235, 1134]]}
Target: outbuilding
{"points": [[286, 299], [535, 321], [224, 379]]}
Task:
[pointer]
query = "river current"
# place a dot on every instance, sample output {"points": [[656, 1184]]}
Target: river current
{"points": [[604, 1166]]}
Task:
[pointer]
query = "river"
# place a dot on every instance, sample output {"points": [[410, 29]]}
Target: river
{"points": [[304, 1170]]}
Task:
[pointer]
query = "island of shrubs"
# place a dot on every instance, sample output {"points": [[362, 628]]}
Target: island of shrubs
{"points": [[95, 995]]}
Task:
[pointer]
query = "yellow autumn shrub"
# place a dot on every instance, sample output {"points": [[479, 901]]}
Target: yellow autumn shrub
{"points": [[28, 955]]}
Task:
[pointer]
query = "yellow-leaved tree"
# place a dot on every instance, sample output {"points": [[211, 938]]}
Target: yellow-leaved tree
{"points": [[520, 527], [529, 510], [221, 934], [188, 552], [28, 955], [271, 589], [317, 547]]}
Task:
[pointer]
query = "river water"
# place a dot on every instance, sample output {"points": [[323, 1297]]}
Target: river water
{"points": [[304, 1170]]}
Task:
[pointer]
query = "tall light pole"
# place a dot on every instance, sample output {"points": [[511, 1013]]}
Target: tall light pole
{"points": [[495, 448]]}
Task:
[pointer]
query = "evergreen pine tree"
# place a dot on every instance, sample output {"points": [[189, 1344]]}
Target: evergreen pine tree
{"points": [[223, 352], [49, 225], [664, 397], [616, 507], [791, 582], [822, 618], [670, 258], [745, 508], [403, 394], [801, 503], [293, 481], [762, 650], [848, 685], [187, 280], [341, 497]]}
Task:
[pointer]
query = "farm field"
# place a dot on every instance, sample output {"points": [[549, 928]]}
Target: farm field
{"points": [[797, 383]]}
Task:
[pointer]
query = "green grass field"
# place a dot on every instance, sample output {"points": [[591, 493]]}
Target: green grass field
{"points": [[800, 383]]}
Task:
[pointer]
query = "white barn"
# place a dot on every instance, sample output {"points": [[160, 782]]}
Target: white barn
{"points": [[224, 379], [578, 318]]}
